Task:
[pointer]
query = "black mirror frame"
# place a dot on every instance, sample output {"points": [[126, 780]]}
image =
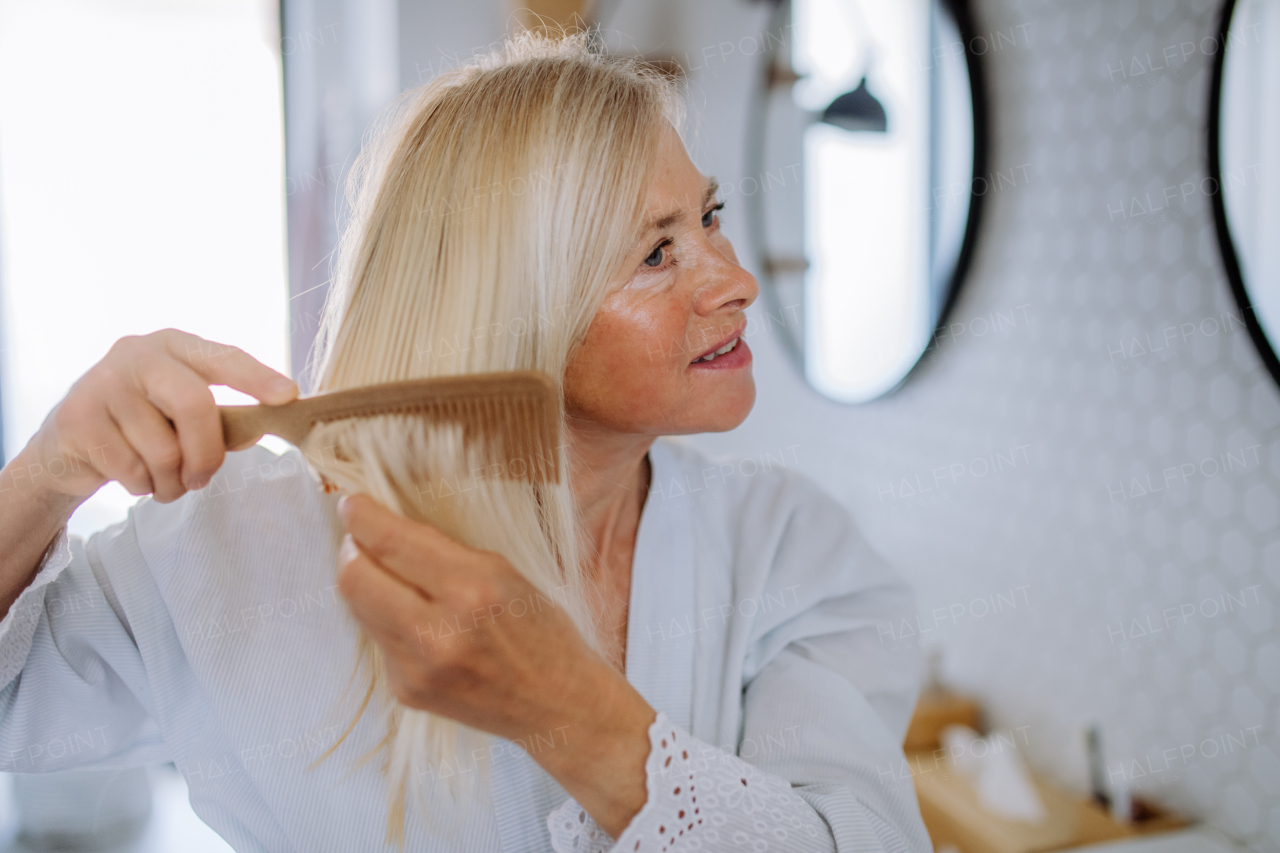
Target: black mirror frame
{"points": [[962, 14], [1213, 167]]}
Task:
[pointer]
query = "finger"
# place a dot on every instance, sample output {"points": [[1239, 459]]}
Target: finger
{"points": [[183, 396], [222, 364], [152, 438], [418, 553], [114, 457], [391, 609]]}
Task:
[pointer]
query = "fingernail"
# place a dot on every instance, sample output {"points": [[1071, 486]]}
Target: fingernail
{"points": [[347, 551], [342, 506]]}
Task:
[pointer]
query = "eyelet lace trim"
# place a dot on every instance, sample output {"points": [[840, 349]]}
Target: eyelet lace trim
{"points": [[700, 798]]}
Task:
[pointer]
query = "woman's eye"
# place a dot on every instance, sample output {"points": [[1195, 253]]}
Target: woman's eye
{"points": [[655, 258], [709, 218]]}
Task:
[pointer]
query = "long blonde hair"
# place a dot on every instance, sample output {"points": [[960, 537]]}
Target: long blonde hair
{"points": [[487, 217]]}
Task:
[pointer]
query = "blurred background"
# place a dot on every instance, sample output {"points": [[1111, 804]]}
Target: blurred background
{"points": [[1012, 317]]}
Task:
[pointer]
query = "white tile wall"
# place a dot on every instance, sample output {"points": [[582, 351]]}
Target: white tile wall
{"points": [[1042, 560]]}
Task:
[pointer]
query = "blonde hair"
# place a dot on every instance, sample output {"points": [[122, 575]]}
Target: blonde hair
{"points": [[487, 219]]}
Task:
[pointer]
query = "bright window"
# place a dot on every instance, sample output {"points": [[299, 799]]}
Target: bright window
{"points": [[141, 176]]}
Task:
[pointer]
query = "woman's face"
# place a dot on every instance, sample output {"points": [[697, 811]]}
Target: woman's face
{"points": [[679, 297]]}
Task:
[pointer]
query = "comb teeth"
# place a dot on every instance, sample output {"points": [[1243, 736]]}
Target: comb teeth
{"points": [[515, 432], [513, 418]]}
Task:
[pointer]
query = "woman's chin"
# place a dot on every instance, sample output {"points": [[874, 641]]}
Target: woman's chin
{"points": [[739, 414], [723, 411]]}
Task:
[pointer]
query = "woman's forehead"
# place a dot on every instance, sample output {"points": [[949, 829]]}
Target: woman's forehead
{"points": [[677, 199], [678, 187]]}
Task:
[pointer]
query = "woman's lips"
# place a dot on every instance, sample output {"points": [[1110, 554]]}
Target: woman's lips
{"points": [[728, 339], [739, 356]]}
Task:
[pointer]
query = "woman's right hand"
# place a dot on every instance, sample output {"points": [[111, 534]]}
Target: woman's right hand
{"points": [[145, 416]]}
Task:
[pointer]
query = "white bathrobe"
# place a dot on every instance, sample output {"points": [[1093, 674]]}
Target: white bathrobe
{"points": [[209, 632]]}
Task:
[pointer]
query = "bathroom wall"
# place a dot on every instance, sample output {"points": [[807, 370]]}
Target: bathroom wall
{"points": [[1081, 479]]}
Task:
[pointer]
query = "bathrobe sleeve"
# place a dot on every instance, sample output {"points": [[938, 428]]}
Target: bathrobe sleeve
{"points": [[703, 799], [825, 705], [74, 690]]}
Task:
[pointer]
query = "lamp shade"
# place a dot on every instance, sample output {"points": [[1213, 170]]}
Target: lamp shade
{"points": [[857, 110]]}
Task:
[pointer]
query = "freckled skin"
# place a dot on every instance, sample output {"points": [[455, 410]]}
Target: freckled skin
{"points": [[632, 372]]}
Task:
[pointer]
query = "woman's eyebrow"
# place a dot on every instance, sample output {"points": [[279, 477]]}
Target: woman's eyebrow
{"points": [[667, 220]]}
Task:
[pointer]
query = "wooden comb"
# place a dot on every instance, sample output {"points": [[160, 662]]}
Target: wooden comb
{"points": [[513, 416]]}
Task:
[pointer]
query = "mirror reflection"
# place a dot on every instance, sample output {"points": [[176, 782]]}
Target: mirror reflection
{"points": [[874, 103], [1248, 144]]}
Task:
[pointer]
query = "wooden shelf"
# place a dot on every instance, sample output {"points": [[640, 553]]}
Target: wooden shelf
{"points": [[955, 817]]}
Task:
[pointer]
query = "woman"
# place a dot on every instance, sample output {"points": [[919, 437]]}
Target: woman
{"points": [[655, 653]]}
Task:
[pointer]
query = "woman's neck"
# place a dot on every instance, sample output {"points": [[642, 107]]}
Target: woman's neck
{"points": [[609, 473]]}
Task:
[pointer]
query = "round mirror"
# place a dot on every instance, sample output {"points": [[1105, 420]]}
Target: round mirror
{"points": [[867, 167], [1244, 160]]}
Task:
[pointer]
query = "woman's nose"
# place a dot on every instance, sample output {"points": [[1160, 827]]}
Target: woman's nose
{"points": [[725, 282]]}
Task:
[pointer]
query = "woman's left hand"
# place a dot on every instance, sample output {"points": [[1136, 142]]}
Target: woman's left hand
{"points": [[466, 636]]}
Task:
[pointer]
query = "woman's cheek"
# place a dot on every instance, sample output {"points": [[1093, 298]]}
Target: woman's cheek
{"points": [[643, 337], [631, 324]]}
